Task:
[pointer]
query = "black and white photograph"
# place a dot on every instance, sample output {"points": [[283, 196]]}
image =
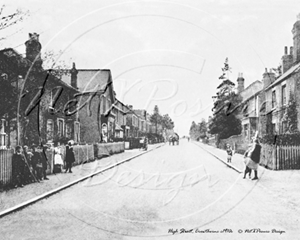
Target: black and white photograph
{"points": [[150, 119]]}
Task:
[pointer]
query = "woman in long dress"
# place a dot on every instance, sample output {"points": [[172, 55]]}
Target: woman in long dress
{"points": [[70, 158], [58, 162], [253, 158]]}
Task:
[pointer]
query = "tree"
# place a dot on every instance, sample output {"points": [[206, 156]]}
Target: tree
{"points": [[291, 114], [9, 19], [225, 122], [193, 131], [203, 128], [167, 122], [156, 118], [199, 130], [51, 60]]}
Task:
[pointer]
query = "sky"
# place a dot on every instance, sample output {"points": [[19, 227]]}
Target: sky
{"points": [[166, 53]]}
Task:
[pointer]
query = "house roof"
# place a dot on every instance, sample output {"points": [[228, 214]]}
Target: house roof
{"points": [[17, 62], [91, 80], [289, 72], [252, 90]]}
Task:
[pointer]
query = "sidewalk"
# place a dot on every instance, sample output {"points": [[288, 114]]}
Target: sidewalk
{"points": [[17, 196], [284, 184], [237, 161]]}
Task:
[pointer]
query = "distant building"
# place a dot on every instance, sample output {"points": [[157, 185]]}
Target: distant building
{"points": [[250, 106]]}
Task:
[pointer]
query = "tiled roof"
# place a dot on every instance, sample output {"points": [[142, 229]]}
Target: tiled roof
{"points": [[91, 80], [289, 72]]}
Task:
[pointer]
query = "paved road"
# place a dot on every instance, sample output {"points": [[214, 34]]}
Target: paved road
{"points": [[153, 196]]}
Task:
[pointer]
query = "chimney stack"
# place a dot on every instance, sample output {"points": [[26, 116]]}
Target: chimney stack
{"points": [[33, 49], [296, 38], [268, 78], [241, 83], [74, 73], [287, 59]]}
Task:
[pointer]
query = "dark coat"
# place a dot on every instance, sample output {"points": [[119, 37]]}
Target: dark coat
{"points": [[18, 163], [70, 158], [36, 159], [44, 159], [255, 155]]}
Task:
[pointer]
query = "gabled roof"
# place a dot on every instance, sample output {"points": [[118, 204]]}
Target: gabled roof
{"points": [[289, 72], [93, 80]]}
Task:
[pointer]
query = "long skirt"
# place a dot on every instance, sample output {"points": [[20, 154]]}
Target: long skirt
{"points": [[251, 164], [58, 159]]}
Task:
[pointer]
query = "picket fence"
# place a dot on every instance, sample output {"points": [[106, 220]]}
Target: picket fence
{"points": [[5, 166], [280, 157], [83, 154]]}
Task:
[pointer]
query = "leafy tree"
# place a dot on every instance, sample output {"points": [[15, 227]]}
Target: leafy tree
{"points": [[203, 128], [225, 122], [51, 60], [193, 131], [199, 130], [292, 115], [167, 122]]}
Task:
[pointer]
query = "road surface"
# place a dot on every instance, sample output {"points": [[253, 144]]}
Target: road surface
{"points": [[174, 192]]}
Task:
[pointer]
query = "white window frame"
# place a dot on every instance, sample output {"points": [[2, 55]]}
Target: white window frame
{"points": [[47, 135], [63, 128], [77, 123]]}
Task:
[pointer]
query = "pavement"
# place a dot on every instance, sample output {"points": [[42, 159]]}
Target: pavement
{"points": [[18, 196], [158, 194], [283, 184]]}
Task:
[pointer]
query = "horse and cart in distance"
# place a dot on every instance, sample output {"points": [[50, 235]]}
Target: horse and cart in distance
{"points": [[174, 138]]}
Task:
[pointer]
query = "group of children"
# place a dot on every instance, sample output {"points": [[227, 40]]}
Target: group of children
{"points": [[30, 165]]}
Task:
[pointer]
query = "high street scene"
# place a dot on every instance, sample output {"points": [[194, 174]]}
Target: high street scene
{"points": [[149, 119]]}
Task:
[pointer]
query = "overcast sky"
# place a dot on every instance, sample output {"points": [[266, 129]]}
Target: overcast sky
{"points": [[166, 53]]}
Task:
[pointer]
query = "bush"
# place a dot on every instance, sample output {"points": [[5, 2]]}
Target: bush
{"points": [[282, 139]]}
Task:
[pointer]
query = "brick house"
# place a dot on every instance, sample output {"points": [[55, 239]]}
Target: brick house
{"points": [[95, 103], [277, 90], [250, 106], [41, 99], [142, 114], [120, 127], [132, 120]]}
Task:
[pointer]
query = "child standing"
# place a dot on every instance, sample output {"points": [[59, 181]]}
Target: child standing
{"points": [[229, 153]]}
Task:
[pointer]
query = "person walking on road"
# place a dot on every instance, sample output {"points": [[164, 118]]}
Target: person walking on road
{"points": [[70, 158], [253, 158]]}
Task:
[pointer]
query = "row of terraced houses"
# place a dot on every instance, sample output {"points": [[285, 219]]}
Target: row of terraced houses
{"points": [[264, 108], [52, 107]]}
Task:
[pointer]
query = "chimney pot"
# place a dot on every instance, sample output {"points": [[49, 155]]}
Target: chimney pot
{"points": [[285, 50], [74, 73], [291, 50]]}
